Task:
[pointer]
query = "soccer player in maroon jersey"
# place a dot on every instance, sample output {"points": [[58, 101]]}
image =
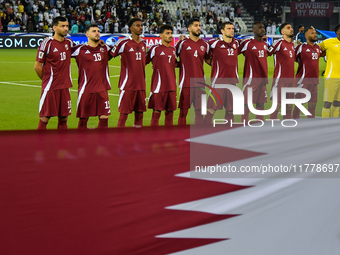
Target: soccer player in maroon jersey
{"points": [[93, 79], [255, 72], [52, 65], [284, 58], [224, 68], [163, 85], [132, 74], [192, 52], [307, 75]]}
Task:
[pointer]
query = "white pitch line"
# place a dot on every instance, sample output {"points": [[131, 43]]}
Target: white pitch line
{"points": [[32, 62], [36, 86], [40, 80], [16, 62]]}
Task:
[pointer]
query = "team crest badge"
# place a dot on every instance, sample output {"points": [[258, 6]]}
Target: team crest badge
{"points": [[202, 48], [143, 49], [174, 52], [234, 46], [102, 50], [265, 47], [66, 47]]}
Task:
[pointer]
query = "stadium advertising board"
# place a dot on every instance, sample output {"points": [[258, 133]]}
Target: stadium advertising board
{"points": [[27, 41], [20, 42], [311, 9]]}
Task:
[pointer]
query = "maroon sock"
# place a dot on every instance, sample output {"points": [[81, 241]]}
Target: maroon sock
{"points": [[208, 118], [288, 115], [155, 119], [229, 116], [198, 117], [259, 117], [312, 111], [42, 125], [169, 119], [182, 119], [273, 116], [103, 123], [122, 120], [139, 119], [62, 124], [296, 113], [82, 124], [246, 114]]}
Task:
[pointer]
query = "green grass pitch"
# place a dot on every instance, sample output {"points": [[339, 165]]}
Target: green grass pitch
{"points": [[20, 90]]}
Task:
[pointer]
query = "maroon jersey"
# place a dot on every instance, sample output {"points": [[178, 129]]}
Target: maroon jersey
{"points": [[56, 59], [284, 58], [163, 62], [224, 60], [192, 55], [255, 64], [93, 68], [132, 72], [308, 58]]}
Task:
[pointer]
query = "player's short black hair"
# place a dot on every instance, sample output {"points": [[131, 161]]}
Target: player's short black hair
{"points": [[56, 20], [87, 28], [309, 28], [257, 22], [283, 25], [226, 23], [336, 28], [191, 21], [165, 27], [133, 20], [300, 26]]}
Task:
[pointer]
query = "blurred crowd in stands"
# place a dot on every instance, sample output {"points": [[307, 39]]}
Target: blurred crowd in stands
{"points": [[112, 16]]}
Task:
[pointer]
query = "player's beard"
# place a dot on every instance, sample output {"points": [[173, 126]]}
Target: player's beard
{"points": [[61, 33], [94, 39], [196, 33], [313, 40]]}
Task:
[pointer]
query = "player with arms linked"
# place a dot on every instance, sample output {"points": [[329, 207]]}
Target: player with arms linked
{"points": [[192, 52], [224, 69], [163, 84], [255, 72], [93, 79], [284, 58], [132, 95], [307, 75], [53, 66]]}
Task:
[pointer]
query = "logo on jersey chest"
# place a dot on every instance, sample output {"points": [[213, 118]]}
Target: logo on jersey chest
{"points": [[162, 53], [87, 52], [202, 48], [55, 50], [102, 50], [66, 47], [131, 49], [188, 48]]}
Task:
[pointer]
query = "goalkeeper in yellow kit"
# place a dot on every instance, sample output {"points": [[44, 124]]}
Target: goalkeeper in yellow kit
{"points": [[332, 75]]}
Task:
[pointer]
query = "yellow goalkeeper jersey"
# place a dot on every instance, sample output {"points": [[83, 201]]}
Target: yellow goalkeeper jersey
{"points": [[332, 48]]}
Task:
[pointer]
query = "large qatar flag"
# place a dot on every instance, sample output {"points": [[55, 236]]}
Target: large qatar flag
{"points": [[128, 191]]}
